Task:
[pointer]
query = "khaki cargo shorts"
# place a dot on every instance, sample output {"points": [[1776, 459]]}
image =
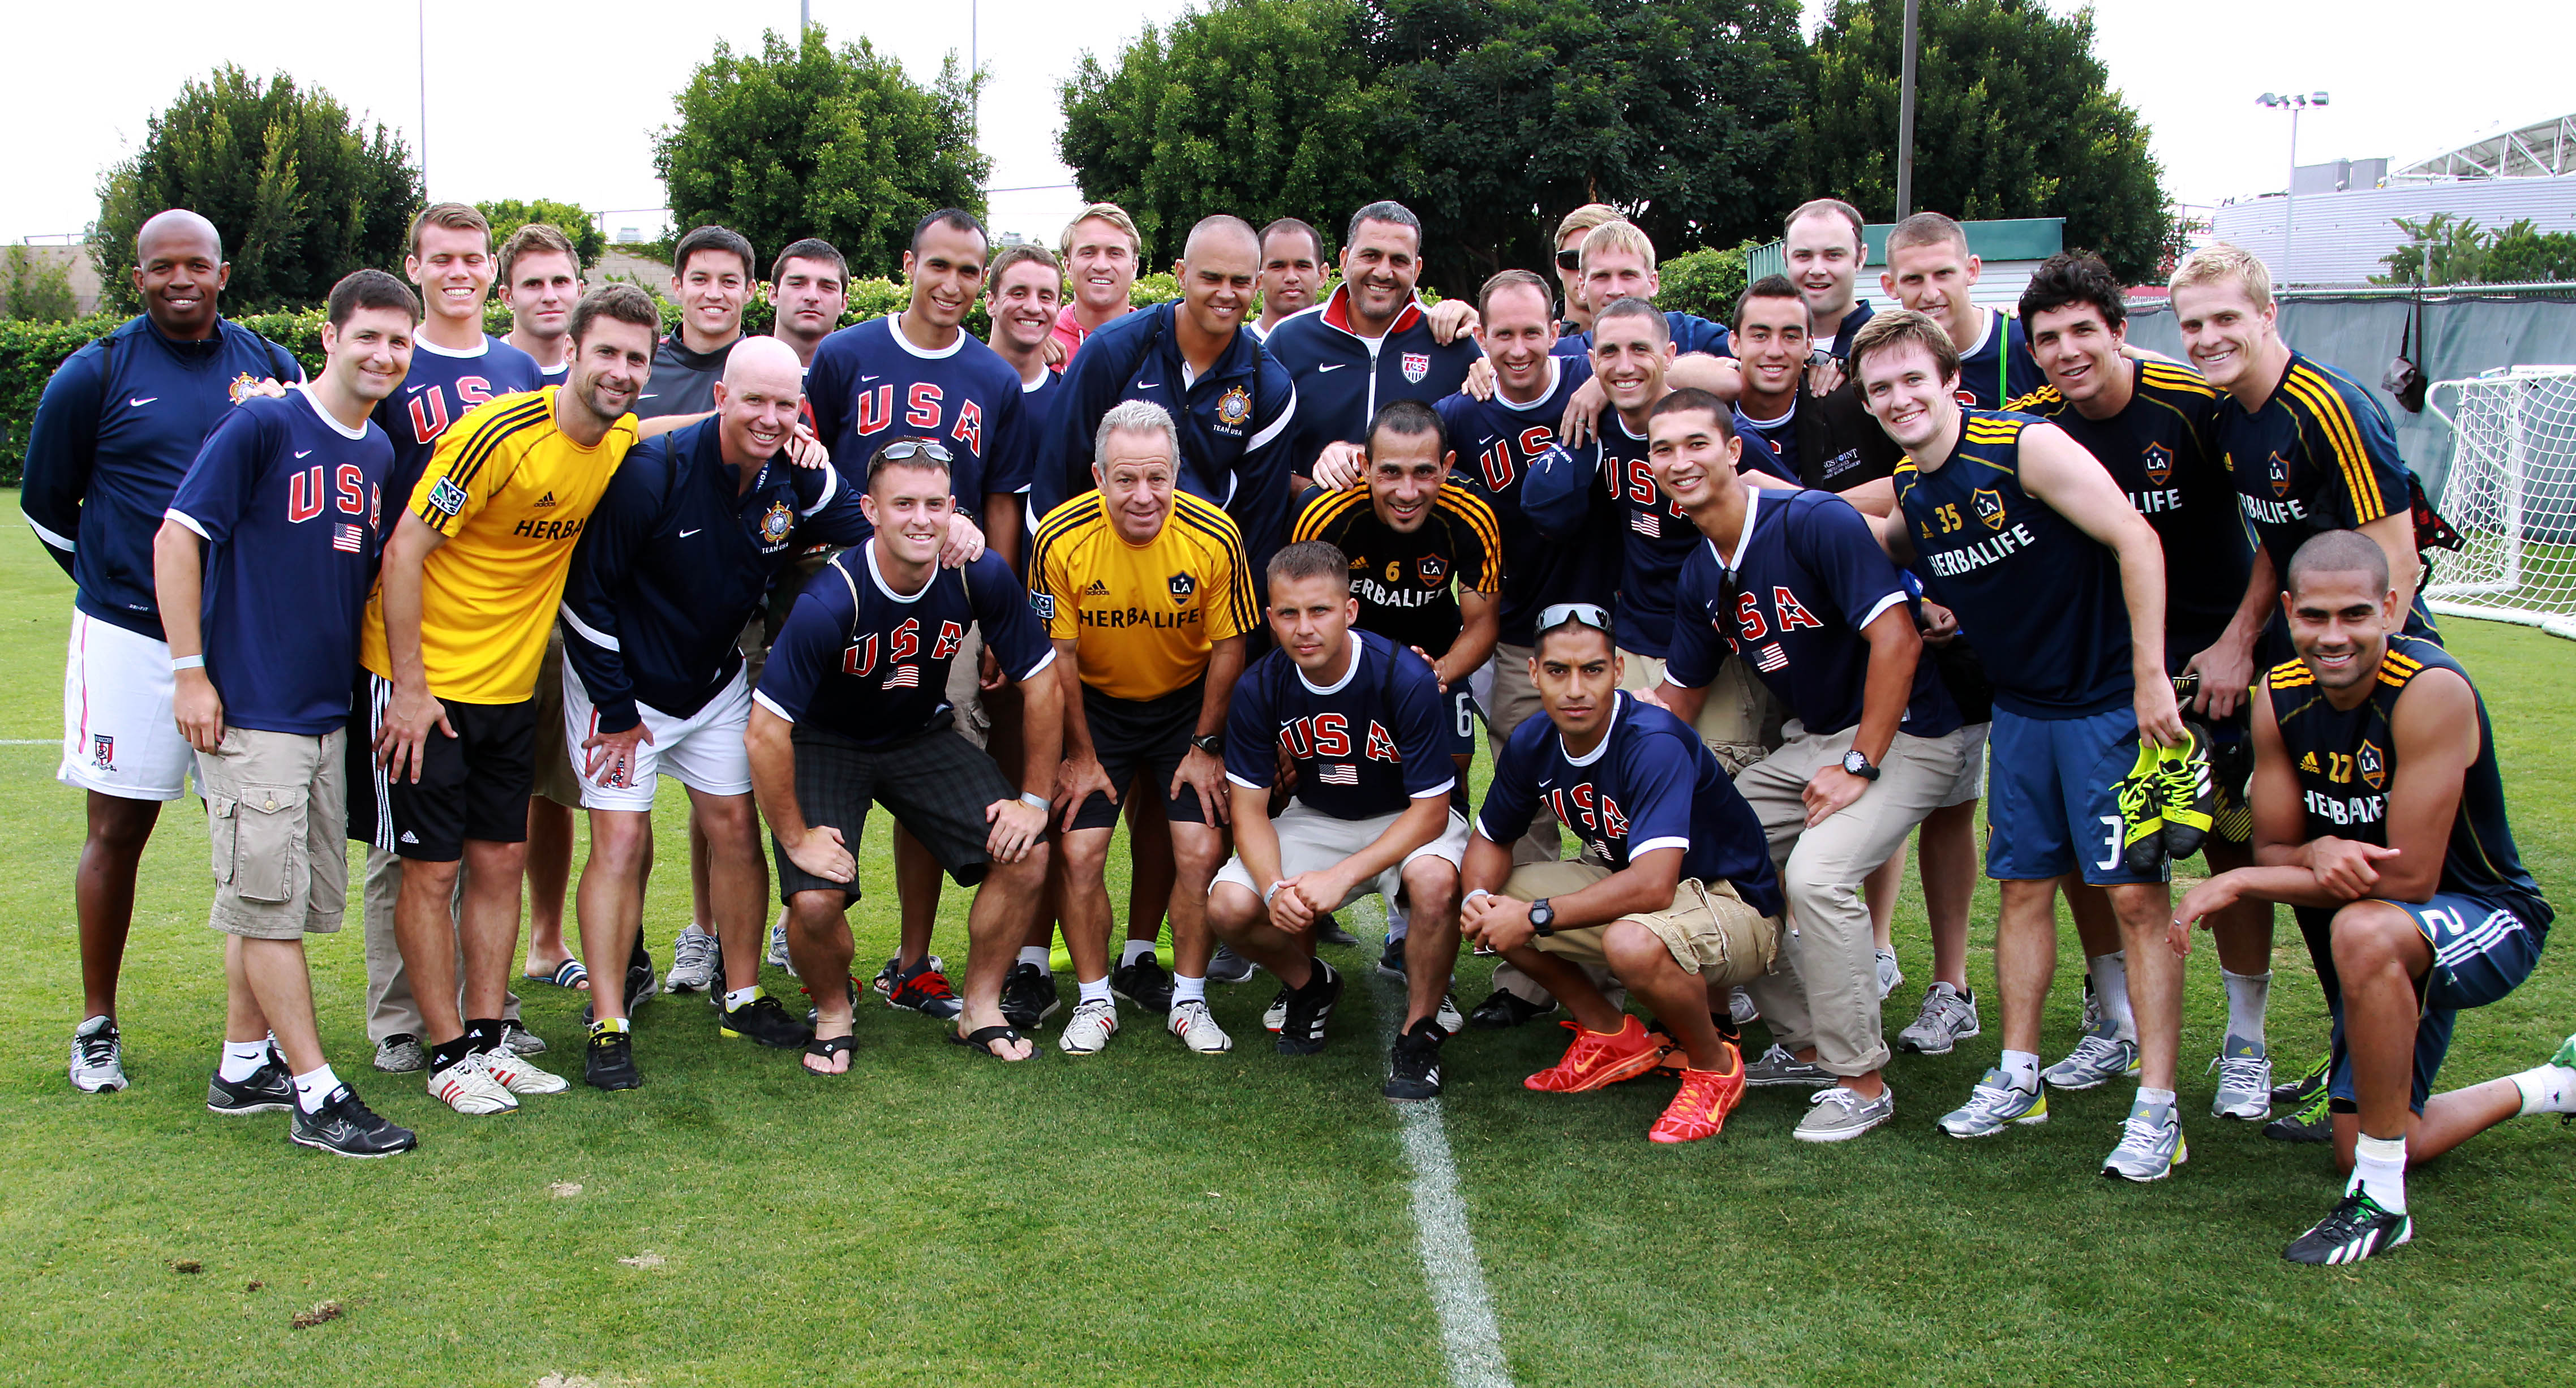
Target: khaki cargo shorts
{"points": [[277, 816], [1708, 928]]}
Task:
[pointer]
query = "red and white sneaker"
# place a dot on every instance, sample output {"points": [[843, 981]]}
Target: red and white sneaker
{"points": [[470, 1088], [1197, 1029], [1599, 1058], [518, 1076]]}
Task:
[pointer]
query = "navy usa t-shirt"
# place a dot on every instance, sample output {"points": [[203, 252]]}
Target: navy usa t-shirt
{"points": [[1657, 538], [1368, 745], [1649, 784], [440, 387], [858, 659], [1499, 444], [869, 386], [1808, 578], [290, 502]]}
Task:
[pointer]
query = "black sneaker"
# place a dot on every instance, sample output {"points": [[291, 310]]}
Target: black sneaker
{"points": [[1414, 1071], [611, 1064], [1029, 996], [268, 1090], [2311, 1122], [2357, 1229], [2296, 1093], [1505, 1010], [1390, 961], [344, 1126], [1329, 931], [1226, 966], [639, 984], [1302, 1031], [765, 1021], [1144, 983], [923, 988]]}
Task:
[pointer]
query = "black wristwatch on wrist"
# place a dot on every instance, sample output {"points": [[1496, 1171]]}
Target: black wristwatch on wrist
{"points": [[1211, 743], [1858, 765], [1542, 917]]}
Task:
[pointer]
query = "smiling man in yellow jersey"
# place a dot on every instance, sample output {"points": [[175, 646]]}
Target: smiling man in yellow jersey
{"points": [[453, 639]]}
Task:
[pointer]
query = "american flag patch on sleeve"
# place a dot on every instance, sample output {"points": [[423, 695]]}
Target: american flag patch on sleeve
{"points": [[903, 677], [349, 539], [1340, 773], [1646, 523], [1771, 658]]}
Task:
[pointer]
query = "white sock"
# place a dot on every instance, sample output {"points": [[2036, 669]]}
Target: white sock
{"points": [[1035, 954], [242, 1060], [2379, 1171], [313, 1087], [2164, 1097], [2547, 1089], [2022, 1069], [1397, 923], [2111, 991], [741, 997], [1188, 989], [1133, 949], [2248, 996], [1096, 990]]}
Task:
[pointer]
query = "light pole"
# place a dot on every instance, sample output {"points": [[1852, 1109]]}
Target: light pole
{"points": [[1905, 121], [2294, 103]]}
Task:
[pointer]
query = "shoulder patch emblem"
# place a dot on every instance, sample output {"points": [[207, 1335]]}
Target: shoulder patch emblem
{"points": [[2372, 765], [447, 498], [1989, 505], [1416, 366], [1234, 407], [1043, 604], [777, 523], [2159, 462], [246, 385]]}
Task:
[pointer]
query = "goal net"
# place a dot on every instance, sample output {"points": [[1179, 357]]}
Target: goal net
{"points": [[2511, 493]]}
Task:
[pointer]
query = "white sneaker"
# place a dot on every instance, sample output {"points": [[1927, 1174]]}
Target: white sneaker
{"points": [[693, 961], [1451, 1020], [1739, 1006], [1093, 1022], [98, 1057], [519, 1076], [1275, 1015], [1191, 1021], [2244, 1081], [469, 1088], [1889, 975], [778, 948]]}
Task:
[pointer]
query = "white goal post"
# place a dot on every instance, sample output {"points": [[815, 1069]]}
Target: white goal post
{"points": [[2511, 493]]}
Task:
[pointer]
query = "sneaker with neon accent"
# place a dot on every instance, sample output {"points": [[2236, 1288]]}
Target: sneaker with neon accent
{"points": [[765, 1021], [1596, 1059], [2356, 1229], [1191, 1021], [693, 961], [2297, 1092], [1841, 1114], [2142, 821], [923, 988], [1413, 1066], [1301, 1032], [2151, 1144], [267, 1090], [2312, 1121], [469, 1087], [98, 1057], [2244, 1081], [1699, 1109], [1778, 1066], [2098, 1059], [610, 1063], [345, 1127], [1947, 1018], [519, 1076], [1088, 1030], [2186, 796], [1994, 1105]]}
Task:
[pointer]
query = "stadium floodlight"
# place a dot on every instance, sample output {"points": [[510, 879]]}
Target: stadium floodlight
{"points": [[2294, 103]]}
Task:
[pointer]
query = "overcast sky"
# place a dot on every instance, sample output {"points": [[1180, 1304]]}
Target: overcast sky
{"points": [[567, 111]]}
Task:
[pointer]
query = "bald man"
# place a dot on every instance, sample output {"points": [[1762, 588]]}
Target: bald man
{"points": [[118, 426], [675, 560]]}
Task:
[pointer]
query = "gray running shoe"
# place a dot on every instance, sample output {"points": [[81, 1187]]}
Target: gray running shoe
{"points": [[1889, 975], [2244, 1081], [2092, 1006], [1996, 1103], [518, 1040], [1839, 1114], [400, 1054], [2151, 1144], [1778, 1067], [98, 1057], [693, 961], [1740, 1008], [2098, 1059], [777, 958], [1226, 966], [1948, 1017]]}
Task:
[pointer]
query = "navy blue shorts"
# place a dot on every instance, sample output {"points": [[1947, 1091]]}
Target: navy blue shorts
{"points": [[2052, 797], [2481, 951]]}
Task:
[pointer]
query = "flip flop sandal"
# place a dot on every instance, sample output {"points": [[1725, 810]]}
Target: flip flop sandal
{"points": [[823, 1050], [568, 974], [982, 1039]]}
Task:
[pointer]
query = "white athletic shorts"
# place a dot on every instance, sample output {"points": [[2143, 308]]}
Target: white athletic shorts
{"points": [[703, 751], [1310, 841], [119, 736]]}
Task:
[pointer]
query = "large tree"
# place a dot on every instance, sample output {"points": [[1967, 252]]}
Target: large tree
{"points": [[2014, 116], [1502, 115], [804, 139], [301, 192], [1260, 108]]}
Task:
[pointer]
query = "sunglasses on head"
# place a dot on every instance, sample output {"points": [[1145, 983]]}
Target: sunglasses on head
{"points": [[904, 449], [1559, 614]]}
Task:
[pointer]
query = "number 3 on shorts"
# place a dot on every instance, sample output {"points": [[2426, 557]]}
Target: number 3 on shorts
{"points": [[2110, 843]]}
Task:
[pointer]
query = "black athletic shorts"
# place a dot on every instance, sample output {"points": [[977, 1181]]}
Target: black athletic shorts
{"points": [[936, 785], [1142, 737], [474, 785]]}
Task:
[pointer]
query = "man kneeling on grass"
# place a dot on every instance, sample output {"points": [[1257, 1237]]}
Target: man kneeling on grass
{"points": [[852, 708], [1674, 891], [1360, 718]]}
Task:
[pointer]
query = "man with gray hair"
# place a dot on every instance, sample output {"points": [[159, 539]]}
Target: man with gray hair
{"points": [[1145, 591]]}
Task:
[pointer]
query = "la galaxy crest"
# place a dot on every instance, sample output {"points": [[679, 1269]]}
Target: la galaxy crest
{"points": [[1182, 586], [2372, 764], [1989, 506], [2279, 470], [1234, 408], [1434, 569], [2159, 463]]}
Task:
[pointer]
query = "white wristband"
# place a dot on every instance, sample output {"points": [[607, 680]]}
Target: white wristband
{"points": [[1475, 894], [1272, 891], [1034, 800], [187, 662]]}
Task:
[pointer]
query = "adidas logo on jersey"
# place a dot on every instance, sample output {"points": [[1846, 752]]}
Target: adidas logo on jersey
{"points": [[1097, 589], [547, 500], [2308, 762]]}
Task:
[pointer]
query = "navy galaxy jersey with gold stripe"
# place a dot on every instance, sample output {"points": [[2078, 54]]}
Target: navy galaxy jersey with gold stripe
{"points": [[2347, 764], [1408, 581], [2318, 456], [2162, 450], [2038, 598]]}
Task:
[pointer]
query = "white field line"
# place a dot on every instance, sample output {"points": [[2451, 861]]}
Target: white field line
{"points": [[30, 742], [1449, 1264]]}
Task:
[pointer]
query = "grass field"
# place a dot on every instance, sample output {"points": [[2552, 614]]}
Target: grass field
{"points": [[1147, 1216]]}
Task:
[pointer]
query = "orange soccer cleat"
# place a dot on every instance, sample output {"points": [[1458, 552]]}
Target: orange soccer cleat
{"points": [[1600, 1058], [1700, 1109]]}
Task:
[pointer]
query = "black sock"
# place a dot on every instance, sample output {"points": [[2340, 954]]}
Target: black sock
{"points": [[447, 1053], [483, 1034]]}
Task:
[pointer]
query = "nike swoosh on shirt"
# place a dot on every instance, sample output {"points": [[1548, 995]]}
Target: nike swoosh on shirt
{"points": [[1336, 366], [648, 395], [1147, 385], [302, 451], [136, 403], [687, 533], [867, 378]]}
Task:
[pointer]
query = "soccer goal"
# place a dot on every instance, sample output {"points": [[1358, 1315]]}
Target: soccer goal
{"points": [[2511, 493]]}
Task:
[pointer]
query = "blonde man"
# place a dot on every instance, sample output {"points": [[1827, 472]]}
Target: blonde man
{"points": [[1101, 249]]}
